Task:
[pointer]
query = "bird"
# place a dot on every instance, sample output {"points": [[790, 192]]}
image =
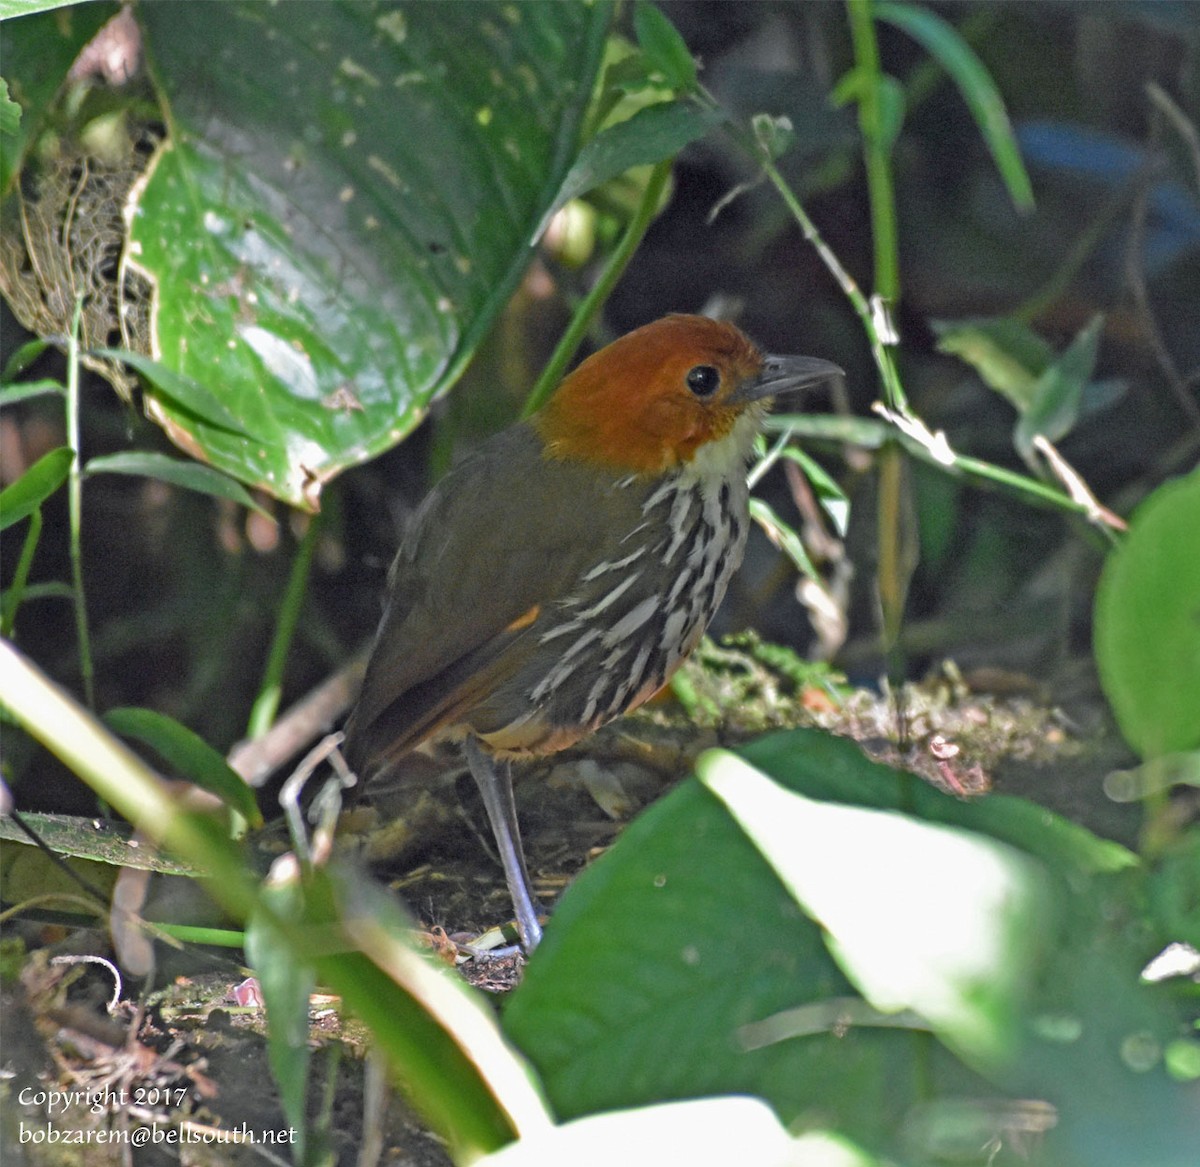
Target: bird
{"points": [[559, 574]]}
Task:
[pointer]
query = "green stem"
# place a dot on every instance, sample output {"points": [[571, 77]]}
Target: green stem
{"points": [[266, 704], [876, 153], [21, 576], [572, 338], [880, 350], [75, 510]]}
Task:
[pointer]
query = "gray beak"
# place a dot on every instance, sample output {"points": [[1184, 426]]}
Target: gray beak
{"points": [[785, 375]]}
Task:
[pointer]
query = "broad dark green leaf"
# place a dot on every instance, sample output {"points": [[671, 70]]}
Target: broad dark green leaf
{"points": [[346, 204], [38, 483], [942, 41], [189, 475], [1054, 405], [662, 960], [650, 135], [1147, 623], [189, 755]]}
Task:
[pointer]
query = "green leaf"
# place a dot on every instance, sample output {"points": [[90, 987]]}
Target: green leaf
{"points": [[189, 755], [942, 41], [960, 952], [1147, 623], [188, 394], [1056, 395], [832, 497], [21, 359], [650, 135], [782, 536], [21, 498], [442, 1038], [286, 985], [673, 968], [660, 953], [1006, 353], [345, 204], [892, 102], [774, 134], [666, 50], [189, 475], [10, 133], [39, 48], [24, 390], [11, 8]]}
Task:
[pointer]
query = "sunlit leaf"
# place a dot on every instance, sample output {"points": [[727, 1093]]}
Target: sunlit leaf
{"points": [[358, 188], [703, 1130], [954, 931]]}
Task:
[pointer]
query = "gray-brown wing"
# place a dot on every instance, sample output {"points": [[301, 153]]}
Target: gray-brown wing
{"points": [[504, 533]]}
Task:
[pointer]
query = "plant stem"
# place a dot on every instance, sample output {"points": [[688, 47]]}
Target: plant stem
{"points": [[266, 704], [876, 151], [75, 510], [21, 576], [600, 291], [893, 391]]}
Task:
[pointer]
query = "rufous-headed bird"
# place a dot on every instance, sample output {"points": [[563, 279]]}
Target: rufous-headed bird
{"points": [[559, 575]]}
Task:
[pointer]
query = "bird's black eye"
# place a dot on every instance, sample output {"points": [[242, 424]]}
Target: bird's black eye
{"points": [[703, 380]]}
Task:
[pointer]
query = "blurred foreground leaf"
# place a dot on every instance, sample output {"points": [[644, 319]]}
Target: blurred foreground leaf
{"points": [[678, 965]]}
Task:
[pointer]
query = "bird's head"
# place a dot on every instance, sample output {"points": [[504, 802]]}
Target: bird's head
{"points": [[647, 403]]}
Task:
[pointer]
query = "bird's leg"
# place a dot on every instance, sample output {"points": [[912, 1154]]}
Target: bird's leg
{"points": [[495, 785]]}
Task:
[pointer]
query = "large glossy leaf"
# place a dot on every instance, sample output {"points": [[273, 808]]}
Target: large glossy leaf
{"points": [[677, 966], [344, 204]]}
